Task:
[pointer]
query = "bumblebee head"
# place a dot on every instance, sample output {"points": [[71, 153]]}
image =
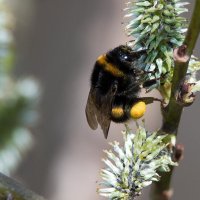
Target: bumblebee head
{"points": [[124, 57]]}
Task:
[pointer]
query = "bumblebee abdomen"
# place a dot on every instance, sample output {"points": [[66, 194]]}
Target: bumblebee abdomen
{"points": [[118, 114]]}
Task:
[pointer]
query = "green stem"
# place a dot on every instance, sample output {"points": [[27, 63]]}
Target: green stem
{"points": [[11, 188], [193, 30], [172, 113]]}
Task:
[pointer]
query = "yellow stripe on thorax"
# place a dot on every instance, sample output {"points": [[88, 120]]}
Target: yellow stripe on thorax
{"points": [[109, 67]]}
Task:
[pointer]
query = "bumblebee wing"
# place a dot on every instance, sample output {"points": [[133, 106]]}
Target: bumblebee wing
{"points": [[103, 113], [98, 110], [104, 121], [90, 111]]}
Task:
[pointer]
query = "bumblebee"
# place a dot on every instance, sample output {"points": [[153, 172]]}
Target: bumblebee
{"points": [[116, 82]]}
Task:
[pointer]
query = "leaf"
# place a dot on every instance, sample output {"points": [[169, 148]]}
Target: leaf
{"points": [[196, 87], [155, 19], [159, 63], [154, 27], [144, 3]]}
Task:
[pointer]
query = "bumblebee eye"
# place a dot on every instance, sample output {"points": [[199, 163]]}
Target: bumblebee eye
{"points": [[125, 58]]}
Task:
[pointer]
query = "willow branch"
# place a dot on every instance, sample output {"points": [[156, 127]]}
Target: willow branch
{"points": [[12, 190], [173, 111]]}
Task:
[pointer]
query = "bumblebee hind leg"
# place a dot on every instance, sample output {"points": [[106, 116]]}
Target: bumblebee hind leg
{"points": [[124, 108], [137, 110], [123, 112]]}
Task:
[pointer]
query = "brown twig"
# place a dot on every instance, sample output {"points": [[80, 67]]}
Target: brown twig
{"points": [[172, 113], [12, 190]]}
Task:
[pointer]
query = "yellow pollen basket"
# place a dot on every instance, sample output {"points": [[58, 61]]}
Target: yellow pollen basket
{"points": [[138, 110], [117, 112]]}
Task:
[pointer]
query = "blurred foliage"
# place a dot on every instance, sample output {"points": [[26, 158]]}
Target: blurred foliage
{"points": [[18, 100]]}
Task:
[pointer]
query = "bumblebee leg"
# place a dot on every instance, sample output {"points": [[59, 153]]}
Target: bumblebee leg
{"points": [[149, 100], [150, 83], [137, 110]]}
